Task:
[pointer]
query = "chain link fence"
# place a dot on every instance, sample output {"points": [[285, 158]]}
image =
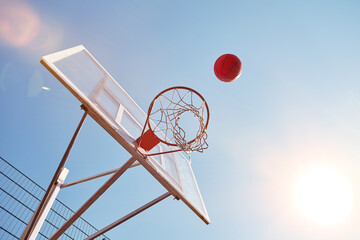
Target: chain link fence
{"points": [[19, 197]]}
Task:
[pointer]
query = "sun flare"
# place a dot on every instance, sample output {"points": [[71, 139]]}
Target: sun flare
{"points": [[324, 196]]}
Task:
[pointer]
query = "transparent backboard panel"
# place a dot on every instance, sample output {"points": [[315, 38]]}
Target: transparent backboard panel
{"points": [[108, 103]]}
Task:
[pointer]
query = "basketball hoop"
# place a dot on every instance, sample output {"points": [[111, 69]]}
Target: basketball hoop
{"points": [[165, 120]]}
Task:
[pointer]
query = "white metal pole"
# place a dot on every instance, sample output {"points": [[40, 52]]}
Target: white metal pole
{"points": [[37, 226], [48, 205], [29, 228]]}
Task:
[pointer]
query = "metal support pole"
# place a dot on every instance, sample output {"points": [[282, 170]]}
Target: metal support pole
{"points": [[92, 199], [48, 205], [94, 176], [127, 217], [89, 178], [52, 186]]}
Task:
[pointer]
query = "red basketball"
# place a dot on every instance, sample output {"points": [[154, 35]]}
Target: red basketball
{"points": [[228, 67]]}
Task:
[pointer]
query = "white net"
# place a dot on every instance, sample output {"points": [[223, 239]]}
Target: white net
{"points": [[179, 116]]}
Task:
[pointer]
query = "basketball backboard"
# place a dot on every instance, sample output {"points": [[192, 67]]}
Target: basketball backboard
{"points": [[114, 110]]}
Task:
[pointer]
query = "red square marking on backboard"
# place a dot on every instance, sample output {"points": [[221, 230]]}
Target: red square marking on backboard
{"points": [[148, 141]]}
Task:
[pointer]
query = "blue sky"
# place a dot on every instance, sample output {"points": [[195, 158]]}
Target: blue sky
{"points": [[295, 106]]}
